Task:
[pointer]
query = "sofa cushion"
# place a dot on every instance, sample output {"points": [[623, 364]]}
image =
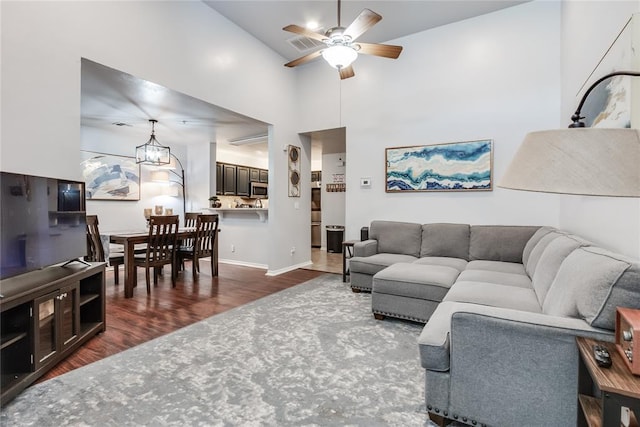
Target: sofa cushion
{"points": [[499, 242], [397, 237], [457, 263], [505, 267], [374, 263], [497, 277], [445, 240], [428, 282], [494, 295], [589, 285], [533, 241], [550, 259], [538, 249]]}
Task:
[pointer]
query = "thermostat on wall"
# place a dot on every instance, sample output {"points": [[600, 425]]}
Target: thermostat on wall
{"points": [[365, 182]]}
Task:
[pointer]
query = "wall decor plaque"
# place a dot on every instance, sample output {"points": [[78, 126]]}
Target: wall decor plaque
{"points": [[294, 170]]}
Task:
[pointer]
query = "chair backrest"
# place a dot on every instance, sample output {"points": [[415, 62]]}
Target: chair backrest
{"points": [[95, 250], [190, 219], [205, 236], [162, 237]]}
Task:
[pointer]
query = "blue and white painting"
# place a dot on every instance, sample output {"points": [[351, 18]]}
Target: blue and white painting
{"points": [[457, 166], [110, 177]]}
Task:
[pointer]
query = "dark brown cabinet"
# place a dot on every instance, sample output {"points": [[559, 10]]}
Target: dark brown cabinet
{"points": [[57, 323], [254, 175], [219, 179], [242, 181], [44, 316], [264, 176], [234, 180], [229, 180]]}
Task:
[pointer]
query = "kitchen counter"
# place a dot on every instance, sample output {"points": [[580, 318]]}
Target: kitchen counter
{"points": [[262, 213]]}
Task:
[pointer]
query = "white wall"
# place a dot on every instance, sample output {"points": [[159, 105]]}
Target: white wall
{"points": [[184, 46], [128, 215], [496, 76], [588, 30]]}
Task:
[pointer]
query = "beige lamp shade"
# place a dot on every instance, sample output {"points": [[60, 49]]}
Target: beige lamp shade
{"points": [[584, 161], [160, 176]]}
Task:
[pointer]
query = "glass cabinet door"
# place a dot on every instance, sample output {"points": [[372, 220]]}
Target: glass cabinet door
{"points": [[45, 324], [57, 323], [69, 315]]}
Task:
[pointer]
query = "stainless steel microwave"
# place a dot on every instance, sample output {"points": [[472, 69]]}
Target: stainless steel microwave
{"points": [[259, 190]]}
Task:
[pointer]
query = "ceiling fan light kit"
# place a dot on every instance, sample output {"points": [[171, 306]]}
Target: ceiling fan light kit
{"points": [[339, 56], [341, 51]]}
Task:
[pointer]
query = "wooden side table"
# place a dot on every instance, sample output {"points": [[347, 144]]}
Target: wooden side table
{"points": [[347, 252], [618, 388]]}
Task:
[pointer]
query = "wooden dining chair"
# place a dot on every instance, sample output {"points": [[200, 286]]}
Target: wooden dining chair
{"points": [[203, 243], [95, 250], [189, 222], [190, 219], [161, 249]]}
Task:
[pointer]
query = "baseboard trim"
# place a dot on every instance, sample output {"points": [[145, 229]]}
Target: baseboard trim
{"points": [[243, 264], [288, 268]]}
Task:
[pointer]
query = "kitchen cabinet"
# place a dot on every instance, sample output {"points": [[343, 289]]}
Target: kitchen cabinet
{"points": [[229, 180], [234, 180], [45, 315], [219, 179], [242, 181]]}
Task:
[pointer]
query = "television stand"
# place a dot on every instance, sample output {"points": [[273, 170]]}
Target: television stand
{"points": [[46, 315]]}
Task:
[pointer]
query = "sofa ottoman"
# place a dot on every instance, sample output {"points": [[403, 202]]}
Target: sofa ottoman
{"points": [[410, 291]]}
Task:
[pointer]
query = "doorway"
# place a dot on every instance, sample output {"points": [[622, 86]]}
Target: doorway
{"points": [[328, 168]]}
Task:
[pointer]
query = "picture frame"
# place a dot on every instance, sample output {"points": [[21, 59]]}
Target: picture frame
{"points": [[454, 166], [110, 177]]}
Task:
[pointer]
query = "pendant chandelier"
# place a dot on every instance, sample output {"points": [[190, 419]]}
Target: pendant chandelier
{"points": [[153, 153]]}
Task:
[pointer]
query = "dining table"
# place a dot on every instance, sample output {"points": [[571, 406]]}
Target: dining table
{"points": [[129, 239]]}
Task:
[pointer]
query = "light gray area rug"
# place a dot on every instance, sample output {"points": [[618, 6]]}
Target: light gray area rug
{"points": [[311, 355]]}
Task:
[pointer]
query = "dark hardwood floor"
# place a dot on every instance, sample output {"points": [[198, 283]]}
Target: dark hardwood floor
{"points": [[144, 317]]}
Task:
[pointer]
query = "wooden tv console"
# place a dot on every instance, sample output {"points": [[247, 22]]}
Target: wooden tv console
{"points": [[45, 315]]}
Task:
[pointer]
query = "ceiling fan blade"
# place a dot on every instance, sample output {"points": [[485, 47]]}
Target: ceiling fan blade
{"points": [[362, 23], [303, 59], [384, 50], [305, 32], [346, 72]]}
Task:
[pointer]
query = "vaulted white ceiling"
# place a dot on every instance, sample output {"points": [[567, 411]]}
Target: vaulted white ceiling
{"points": [[113, 98]]}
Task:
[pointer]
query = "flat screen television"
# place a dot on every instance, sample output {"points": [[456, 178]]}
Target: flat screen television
{"points": [[42, 222]]}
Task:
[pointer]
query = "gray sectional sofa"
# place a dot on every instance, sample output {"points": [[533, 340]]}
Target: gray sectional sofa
{"points": [[502, 307]]}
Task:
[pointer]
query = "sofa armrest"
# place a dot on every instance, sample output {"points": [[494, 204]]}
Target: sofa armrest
{"points": [[506, 365], [365, 248]]}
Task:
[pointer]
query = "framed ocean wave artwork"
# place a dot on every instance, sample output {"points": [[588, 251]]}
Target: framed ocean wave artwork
{"points": [[456, 166], [110, 177]]}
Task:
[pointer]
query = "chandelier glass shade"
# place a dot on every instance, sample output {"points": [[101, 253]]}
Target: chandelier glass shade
{"points": [[153, 153], [339, 56]]}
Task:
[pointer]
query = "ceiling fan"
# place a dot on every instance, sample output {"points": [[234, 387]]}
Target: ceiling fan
{"points": [[341, 48]]}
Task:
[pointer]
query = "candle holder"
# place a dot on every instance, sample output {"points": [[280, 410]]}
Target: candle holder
{"points": [[147, 215], [159, 209]]}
